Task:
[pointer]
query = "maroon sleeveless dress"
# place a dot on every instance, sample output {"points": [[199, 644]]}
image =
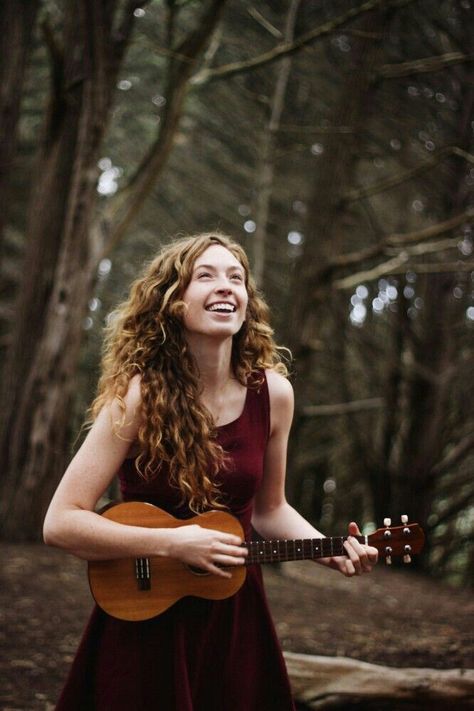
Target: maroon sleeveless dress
{"points": [[199, 655]]}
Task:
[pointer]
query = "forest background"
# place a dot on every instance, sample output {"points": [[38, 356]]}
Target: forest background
{"points": [[334, 140]]}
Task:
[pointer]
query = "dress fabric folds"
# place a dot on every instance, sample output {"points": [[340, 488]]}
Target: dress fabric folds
{"points": [[199, 655]]}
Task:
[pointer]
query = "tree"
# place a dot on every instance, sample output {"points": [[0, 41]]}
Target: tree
{"points": [[408, 362], [64, 247]]}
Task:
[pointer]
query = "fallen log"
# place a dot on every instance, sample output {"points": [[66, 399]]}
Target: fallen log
{"points": [[328, 682]]}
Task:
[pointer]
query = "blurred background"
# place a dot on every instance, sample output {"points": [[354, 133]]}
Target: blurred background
{"points": [[334, 140]]}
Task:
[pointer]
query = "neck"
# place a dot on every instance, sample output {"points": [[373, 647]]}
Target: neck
{"points": [[213, 359]]}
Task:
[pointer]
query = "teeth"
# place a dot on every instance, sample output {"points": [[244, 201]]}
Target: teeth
{"points": [[221, 307]]}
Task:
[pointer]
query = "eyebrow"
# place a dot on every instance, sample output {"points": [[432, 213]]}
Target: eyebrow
{"points": [[213, 268]]}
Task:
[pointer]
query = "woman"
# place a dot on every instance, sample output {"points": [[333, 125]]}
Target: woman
{"points": [[193, 413]]}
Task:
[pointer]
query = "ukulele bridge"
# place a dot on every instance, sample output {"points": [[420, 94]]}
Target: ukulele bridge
{"points": [[143, 573]]}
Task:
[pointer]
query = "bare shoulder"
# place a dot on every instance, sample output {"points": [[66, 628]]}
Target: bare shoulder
{"points": [[279, 388], [125, 412], [281, 396], [133, 396]]}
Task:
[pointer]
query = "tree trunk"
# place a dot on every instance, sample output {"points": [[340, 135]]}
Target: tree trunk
{"points": [[59, 267], [16, 28], [338, 682], [326, 213], [434, 354], [64, 246], [339, 161], [266, 168]]}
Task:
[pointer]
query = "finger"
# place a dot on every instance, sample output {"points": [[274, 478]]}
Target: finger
{"points": [[361, 551], [354, 529], [238, 551], [230, 539], [373, 554], [354, 558], [215, 570], [349, 569], [227, 560]]}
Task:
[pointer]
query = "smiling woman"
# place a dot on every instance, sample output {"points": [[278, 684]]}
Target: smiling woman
{"points": [[193, 412], [216, 297]]}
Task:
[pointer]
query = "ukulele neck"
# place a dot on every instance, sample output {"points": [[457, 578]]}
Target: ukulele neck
{"points": [[298, 549]]}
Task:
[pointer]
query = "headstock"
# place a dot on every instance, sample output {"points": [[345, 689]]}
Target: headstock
{"points": [[403, 540]]}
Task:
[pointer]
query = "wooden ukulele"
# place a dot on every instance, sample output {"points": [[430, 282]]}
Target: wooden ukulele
{"points": [[141, 588]]}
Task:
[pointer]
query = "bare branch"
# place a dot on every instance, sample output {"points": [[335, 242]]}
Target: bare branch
{"points": [[421, 66], [400, 265], [455, 454], [285, 48], [390, 267], [397, 239], [456, 506], [258, 17], [287, 128], [431, 231], [343, 408], [442, 268], [120, 212], [426, 247], [266, 168], [125, 27], [394, 180]]}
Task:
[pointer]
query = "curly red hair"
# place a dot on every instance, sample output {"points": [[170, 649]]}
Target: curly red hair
{"points": [[145, 336]]}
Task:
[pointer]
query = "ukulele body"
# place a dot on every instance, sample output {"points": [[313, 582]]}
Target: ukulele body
{"points": [[140, 588]]}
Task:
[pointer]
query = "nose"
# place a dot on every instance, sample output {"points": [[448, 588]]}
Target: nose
{"points": [[224, 286]]}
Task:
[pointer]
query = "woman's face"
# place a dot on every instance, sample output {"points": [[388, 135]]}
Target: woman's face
{"points": [[216, 297]]}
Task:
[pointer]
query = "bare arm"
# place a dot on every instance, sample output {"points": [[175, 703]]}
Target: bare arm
{"points": [[273, 517], [71, 523]]}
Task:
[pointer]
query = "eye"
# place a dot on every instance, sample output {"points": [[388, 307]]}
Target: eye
{"points": [[237, 276], [204, 274]]}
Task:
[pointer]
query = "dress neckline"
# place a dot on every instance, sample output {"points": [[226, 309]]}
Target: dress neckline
{"points": [[234, 422]]}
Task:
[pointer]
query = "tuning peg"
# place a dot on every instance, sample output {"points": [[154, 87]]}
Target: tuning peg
{"points": [[388, 557], [404, 518], [407, 556], [387, 522]]}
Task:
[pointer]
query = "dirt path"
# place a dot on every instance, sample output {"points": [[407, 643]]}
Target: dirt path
{"points": [[389, 617]]}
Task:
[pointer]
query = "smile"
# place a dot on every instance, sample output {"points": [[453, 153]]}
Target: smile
{"points": [[221, 307]]}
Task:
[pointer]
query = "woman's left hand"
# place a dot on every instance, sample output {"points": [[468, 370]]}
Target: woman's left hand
{"points": [[360, 557]]}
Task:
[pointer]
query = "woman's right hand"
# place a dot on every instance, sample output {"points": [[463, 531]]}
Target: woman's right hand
{"points": [[207, 549]]}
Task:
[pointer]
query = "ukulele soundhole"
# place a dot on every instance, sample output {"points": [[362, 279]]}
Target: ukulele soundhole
{"points": [[197, 571]]}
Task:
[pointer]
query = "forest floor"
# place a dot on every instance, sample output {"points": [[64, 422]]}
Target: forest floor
{"points": [[390, 617]]}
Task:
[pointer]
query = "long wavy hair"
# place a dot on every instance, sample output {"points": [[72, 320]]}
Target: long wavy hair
{"points": [[145, 336]]}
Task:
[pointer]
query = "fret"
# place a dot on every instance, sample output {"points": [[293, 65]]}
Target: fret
{"points": [[343, 550]]}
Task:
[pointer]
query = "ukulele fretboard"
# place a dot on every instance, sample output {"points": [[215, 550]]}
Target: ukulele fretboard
{"points": [[298, 549]]}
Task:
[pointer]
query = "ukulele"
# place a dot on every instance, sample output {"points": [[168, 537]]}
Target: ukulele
{"points": [[140, 588]]}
